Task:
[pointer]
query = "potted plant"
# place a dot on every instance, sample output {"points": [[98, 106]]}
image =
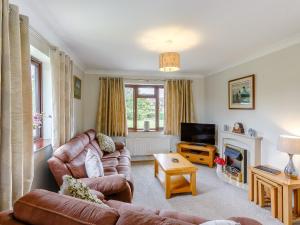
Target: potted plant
{"points": [[220, 163]]}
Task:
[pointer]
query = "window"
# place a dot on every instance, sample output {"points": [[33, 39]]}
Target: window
{"points": [[144, 103], [36, 78]]}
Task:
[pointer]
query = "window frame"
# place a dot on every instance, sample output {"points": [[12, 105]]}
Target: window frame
{"points": [[136, 95], [38, 95]]}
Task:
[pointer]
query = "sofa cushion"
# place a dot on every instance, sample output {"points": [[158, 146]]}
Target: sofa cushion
{"points": [[106, 143], [129, 217], [77, 189], [93, 164], [41, 207], [123, 206], [91, 133]]}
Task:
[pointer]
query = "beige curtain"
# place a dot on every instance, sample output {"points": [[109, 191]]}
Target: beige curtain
{"points": [[111, 119], [179, 106], [16, 154], [62, 118]]}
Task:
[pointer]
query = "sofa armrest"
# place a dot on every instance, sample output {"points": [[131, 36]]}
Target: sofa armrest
{"points": [[119, 145], [107, 185], [182, 216]]}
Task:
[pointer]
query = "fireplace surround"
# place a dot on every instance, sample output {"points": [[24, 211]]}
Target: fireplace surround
{"points": [[242, 151]]}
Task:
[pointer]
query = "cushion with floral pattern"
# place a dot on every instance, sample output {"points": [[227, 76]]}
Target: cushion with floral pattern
{"points": [[106, 143]]}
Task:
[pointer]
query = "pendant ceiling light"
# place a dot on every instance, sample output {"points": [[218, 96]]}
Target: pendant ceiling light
{"points": [[169, 61]]}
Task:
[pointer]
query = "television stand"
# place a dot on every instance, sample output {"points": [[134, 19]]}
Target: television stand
{"points": [[203, 154], [199, 144]]}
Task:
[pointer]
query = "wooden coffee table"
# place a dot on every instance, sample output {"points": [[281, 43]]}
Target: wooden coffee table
{"points": [[171, 173]]}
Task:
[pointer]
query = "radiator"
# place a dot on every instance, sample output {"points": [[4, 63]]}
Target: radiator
{"points": [[142, 146]]}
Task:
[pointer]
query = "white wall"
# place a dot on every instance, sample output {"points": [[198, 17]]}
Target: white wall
{"points": [[277, 100], [40, 50], [78, 103]]}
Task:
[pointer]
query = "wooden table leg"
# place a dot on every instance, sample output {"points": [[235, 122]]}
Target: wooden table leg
{"points": [[274, 202], [287, 205], [279, 196], [251, 186], [261, 194], [255, 189], [193, 183], [297, 202], [155, 168], [168, 186]]}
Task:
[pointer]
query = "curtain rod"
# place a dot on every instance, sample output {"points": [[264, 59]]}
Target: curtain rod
{"points": [[135, 79], [39, 36]]}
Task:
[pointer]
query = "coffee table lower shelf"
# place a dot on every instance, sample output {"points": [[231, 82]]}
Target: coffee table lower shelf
{"points": [[178, 184]]}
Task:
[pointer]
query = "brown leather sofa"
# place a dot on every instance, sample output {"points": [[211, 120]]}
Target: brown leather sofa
{"points": [[42, 207], [117, 182]]}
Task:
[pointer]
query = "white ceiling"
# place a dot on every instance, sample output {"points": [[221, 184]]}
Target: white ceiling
{"points": [[126, 35]]}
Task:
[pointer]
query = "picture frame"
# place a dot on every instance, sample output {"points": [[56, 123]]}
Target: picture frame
{"points": [[77, 87], [241, 93]]}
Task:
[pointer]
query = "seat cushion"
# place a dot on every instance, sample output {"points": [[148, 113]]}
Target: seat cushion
{"points": [[130, 217], [41, 207]]}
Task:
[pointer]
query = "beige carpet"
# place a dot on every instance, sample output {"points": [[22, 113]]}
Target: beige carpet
{"points": [[215, 199]]}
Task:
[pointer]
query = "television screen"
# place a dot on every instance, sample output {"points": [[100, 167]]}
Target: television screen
{"points": [[198, 133]]}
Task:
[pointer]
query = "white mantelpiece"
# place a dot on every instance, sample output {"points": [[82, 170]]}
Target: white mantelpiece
{"points": [[251, 144]]}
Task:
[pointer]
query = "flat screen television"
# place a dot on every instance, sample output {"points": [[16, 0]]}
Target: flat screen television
{"points": [[198, 133]]}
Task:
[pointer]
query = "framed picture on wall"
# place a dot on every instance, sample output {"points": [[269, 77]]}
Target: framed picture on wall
{"points": [[77, 88], [241, 93]]}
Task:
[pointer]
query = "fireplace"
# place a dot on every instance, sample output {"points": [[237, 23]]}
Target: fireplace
{"points": [[248, 154], [235, 163]]}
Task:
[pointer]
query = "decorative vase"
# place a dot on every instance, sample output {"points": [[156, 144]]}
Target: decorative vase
{"points": [[146, 126]]}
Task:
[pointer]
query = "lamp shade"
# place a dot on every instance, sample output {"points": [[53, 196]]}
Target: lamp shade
{"points": [[169, 62], [289, 144]]}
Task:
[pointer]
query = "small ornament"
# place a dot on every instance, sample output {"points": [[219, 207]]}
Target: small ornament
{"points": [[238, 128], [251, 132]]}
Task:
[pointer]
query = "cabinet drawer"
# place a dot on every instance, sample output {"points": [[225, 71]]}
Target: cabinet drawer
{"points": [[196, 158]]}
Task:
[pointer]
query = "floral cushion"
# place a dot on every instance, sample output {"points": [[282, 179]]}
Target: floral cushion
{"points": [[77, 189], [106, 143]]}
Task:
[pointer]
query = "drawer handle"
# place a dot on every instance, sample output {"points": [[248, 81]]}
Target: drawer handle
{"points": [[187, 156], [201, 159]]}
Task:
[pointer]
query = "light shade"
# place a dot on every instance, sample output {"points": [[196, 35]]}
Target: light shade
{"points": [[289, 144], [169, 62]]}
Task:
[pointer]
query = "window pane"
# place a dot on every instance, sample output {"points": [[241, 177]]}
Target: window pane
{"points": [[33, 80], [146, 91], [161, 107], [36, 97], [129, 106], [145, 112]]}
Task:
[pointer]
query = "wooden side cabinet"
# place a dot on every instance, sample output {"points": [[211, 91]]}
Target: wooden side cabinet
{"points": [[197, 154]]}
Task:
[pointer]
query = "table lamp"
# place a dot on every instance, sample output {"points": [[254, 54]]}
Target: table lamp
{"points": [[290, 145]]}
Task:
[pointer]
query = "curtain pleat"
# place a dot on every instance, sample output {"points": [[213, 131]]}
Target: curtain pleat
{"points": [[111, 119], [16, 150], [61, 75], [179, 106]]}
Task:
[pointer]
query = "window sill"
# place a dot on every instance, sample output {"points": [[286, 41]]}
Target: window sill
{"points": [[40, 144]]}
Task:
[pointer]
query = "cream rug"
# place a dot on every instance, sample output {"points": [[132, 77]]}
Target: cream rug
{"points": [[215, 199]]}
